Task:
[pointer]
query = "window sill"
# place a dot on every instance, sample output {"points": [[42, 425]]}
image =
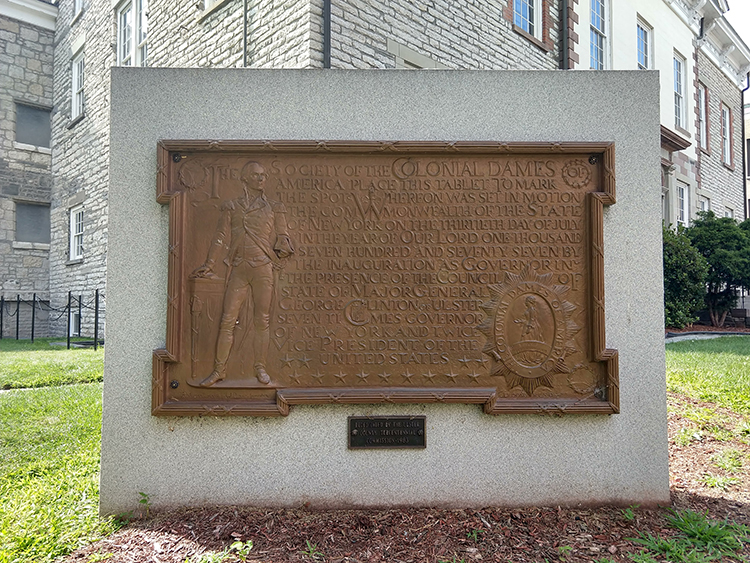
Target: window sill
{"points": [[707, 152], [684, 132], [207, 12], [21, 245], [76, 121], [76, 17], [728, 166], [74, 262], [535, 40], [31, 148]]}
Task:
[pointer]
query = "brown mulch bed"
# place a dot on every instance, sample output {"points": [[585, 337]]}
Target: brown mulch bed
{"points": [[708, 328], [697, 432]]}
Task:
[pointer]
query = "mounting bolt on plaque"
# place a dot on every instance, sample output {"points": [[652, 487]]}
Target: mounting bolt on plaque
{"points": [[174, 384], [593, 159]]}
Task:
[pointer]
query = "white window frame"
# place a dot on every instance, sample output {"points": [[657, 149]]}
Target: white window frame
{"points": [[726, 134], [132, 27], [77, 8], [679, 75], [75, 324], [704, 203], [729, 212], [77, 97], [647, 32], [702, 116], [75, 246], [533, 24], [683, 203], [598, 33]]}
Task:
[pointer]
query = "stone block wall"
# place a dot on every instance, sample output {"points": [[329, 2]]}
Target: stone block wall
{"points": [[17, 316], [461, 34], [464, 34], [80, 154], [724, 185], [26, 52]]}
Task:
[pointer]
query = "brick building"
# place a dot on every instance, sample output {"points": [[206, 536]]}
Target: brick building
{"points": [[688, 41], [26, 99]]}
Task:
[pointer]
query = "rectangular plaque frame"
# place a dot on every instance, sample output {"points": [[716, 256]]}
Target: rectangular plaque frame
{"points": [[399, 432], [174, 394]]}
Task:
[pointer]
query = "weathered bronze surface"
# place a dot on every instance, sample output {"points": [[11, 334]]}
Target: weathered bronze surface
{"points": [[386, 432], [367, 272]]}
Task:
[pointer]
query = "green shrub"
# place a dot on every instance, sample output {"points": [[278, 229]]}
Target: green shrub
{"points": [[685, 271], [726, 247]]}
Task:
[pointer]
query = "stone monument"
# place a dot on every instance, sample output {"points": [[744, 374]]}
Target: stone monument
{"points": [[383, 288]]}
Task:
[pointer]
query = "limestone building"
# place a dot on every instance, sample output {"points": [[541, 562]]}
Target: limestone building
{"points": [[704, 66], [696, 51], [94, 35], [26, 99]]}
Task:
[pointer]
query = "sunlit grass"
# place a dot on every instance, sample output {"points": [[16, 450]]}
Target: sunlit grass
{"points": [[49, 472], [41, 364], [715, 370]]}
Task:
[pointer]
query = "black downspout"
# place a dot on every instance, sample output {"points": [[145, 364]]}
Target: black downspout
{"points": [[326, 33], [564, 35]]}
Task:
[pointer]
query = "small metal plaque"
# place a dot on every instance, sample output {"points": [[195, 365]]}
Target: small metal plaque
{"points": [[386, 432]]}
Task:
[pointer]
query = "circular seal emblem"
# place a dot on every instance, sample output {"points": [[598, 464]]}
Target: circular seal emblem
{"points": [[576, 173], [529, 330]]}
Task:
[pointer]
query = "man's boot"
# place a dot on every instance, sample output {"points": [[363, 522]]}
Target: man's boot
{"points": [[260, 373]]}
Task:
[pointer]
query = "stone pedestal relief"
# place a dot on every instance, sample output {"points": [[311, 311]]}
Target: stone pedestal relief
{"points": [[308, 272]]}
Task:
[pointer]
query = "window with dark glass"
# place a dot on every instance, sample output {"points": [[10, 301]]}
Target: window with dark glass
{"points": [[33, 125], [32, 222]]}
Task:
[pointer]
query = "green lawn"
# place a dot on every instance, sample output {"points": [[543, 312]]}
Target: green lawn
{"points": [[49, 472], [50, 437], [23, 364], [715, 370]]}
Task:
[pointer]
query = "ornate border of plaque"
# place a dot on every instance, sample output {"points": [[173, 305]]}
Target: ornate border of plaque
{"points": [[314, 272]]}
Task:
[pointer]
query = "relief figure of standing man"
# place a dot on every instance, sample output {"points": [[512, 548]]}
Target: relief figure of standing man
{"points": [[254, 230]]}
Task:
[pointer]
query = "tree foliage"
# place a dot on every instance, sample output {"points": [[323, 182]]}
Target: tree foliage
{"points": [[685, 271], [726, 247]]}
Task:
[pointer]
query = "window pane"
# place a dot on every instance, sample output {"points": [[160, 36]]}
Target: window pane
{"points": [[125, 36], [642, 47], [597, 15], [33, 126], [678, 96], [32, 223], [597, 50], [702, 125], [524, 15]]}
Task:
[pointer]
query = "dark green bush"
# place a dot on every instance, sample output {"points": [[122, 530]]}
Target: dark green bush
{"points": [[726, 247], [685, 271]]}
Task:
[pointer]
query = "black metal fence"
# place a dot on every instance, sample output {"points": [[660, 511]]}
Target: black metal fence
{"points": [[14, 309]]}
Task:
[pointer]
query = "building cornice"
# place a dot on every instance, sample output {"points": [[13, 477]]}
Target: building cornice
{"points": [[34, 12], [725, 48], [673, 141]]}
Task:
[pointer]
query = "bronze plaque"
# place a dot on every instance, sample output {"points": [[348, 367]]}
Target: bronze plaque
{"points": [[375, 432], [368, 272]]}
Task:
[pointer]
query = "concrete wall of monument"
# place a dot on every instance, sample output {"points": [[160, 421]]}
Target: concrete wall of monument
{"points": [[25, 76]]}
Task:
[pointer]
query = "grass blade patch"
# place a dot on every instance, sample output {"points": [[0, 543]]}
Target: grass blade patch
{"points": [[49, 472]]}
